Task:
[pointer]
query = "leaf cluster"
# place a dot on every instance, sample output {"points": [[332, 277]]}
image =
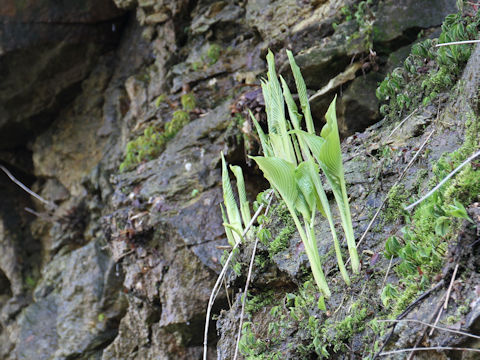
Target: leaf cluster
{"points": [[292, 161]]}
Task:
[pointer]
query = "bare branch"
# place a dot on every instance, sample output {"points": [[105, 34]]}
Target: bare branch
{"points": [[216, 287], [50, 205], [433, 326], [428, 349], [244, 300], [431, 192]]}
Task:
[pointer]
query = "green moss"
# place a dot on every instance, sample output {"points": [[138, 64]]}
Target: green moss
{"points": [[261, 261], [429, 70], [160, 99], [349, 326], [280, 242], [465, 187], [396, 200], [298, 323], [197, 65], [363, 17], [433, 225], [213, 53], [149, 145], [144, 147], [188, 102], [259, 301], [252, 345], [30, 282]]}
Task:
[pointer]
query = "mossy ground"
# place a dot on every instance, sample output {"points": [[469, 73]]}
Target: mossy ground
{"points": [[430, 70], [417, 245]]}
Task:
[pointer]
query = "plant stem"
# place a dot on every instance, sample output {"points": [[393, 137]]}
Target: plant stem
{"points": [[312, 254], [338, 253], [348, 228]]}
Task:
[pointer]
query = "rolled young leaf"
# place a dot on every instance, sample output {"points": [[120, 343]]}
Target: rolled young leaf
{"points": [[275, 109], [302, 93], [242, 195], [233, 214], [295, 119], [267, 150], [228, 231]]}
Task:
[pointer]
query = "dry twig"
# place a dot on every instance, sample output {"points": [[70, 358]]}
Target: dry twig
{"points": [[431, 192], [434, 327], [216, 287], [438, 309], [50, 205], [458, 43], [396, 183], [427, 349], [245, 293], [405, 313], [446, 300]]}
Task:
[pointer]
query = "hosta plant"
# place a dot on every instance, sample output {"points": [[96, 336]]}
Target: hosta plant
{"points": [[289, 165]]}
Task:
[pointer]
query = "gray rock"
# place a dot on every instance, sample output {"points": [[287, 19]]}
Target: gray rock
{"points": [[394, 18], [72, 317], [65, 40]]}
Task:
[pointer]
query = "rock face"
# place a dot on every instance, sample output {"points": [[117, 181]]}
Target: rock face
{"points": [[46, 50], [122, 265]]}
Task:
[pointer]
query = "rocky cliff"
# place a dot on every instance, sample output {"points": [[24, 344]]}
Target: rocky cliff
{"points": [[115, 114]]}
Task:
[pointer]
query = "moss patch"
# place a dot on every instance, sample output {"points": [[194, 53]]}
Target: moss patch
{"points": [[151, 143], [429, 70]]}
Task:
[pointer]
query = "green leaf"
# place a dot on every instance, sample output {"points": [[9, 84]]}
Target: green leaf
{"points": [[295, 116], [314, 142], [275, 109], [295, 119], [267, 150], [278, 147], [281, 174], [321, 303], [242, 195], [330, 160], [458, 210], [330, 156], [228, 231], [304, 182], [389, 293], [442, 225], [302, 93], [233, 214], [274, 97], [324, 207], [392, 247], [302, 207]]}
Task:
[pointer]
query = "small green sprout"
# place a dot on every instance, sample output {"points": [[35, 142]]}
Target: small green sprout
{"points": [[232, 217]]}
